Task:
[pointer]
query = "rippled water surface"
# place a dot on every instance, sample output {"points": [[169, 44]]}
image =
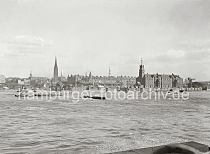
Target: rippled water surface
{"points": [[100, 126]]}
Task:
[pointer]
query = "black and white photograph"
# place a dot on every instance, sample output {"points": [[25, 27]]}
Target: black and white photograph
{"points": [[104, 76]]}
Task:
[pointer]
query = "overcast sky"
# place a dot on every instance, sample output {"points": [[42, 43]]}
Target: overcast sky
{"points": [[172, 36]]}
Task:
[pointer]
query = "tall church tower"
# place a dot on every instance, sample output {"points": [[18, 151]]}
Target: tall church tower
{"points": [[55, 76], [109, 72], [141, 70]]}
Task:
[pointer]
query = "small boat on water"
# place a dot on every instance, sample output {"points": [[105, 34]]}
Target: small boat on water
{"points": [[175, 91], [96, 93], [98, 97], [86, 96], [95, 97], [205, 88], [37, 93], [181, 90], [41, 93], [25, 93]]}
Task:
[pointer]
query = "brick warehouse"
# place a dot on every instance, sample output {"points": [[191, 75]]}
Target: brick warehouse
{"points": [[162, 81]]}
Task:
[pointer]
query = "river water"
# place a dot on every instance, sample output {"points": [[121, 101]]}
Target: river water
{"points": [[100, 126]]}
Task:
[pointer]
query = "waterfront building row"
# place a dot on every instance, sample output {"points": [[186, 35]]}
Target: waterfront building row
{"points": [[144, 80], [162, 81], [123, 81]]}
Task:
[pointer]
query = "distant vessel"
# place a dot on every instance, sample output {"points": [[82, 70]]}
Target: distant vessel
{"points": [[181, 90], [97, 93], [95, 97], [25, 93], [37, 93], [5, 88], [205, 88]]}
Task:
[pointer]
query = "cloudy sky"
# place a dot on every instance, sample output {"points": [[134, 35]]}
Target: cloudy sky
{"points": [[172, 36]]}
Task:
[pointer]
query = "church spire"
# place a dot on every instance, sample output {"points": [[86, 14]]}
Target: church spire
{"points": [[30, 76], [141, 69], [55, 76], [55, 60], [109, 72], [90, 75]]}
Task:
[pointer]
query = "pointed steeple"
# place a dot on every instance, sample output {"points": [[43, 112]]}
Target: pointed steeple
{"points": [[141, 69], [55, 76], [90, 75], [30, 74]]}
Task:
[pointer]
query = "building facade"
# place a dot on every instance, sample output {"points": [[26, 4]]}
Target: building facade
{"points": [[38, 82], [109, 81], [2, 79], [13, 83], [162, 81]]}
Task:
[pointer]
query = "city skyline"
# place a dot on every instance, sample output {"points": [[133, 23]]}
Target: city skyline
{"points": [[95, 35], [104, 76], [56, 74]]}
